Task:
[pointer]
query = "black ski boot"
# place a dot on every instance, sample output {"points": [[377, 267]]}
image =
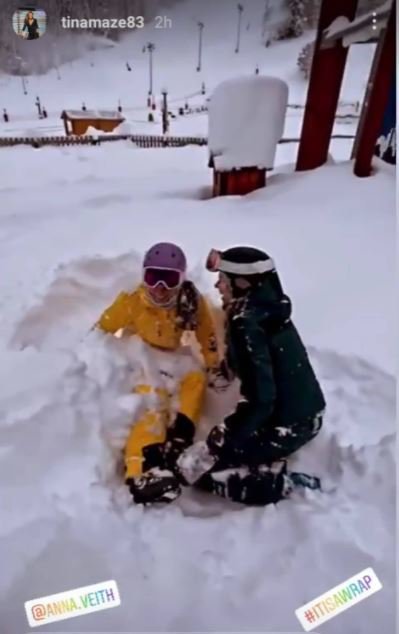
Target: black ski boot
{"points": [[305, 480], [155, 486]]}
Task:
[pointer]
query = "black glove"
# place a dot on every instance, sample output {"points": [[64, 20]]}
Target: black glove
{"points": [[216, 438], [179, 436], [217, 381]]}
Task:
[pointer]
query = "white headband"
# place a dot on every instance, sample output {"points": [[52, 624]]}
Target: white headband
{"points": [[246, 268]]}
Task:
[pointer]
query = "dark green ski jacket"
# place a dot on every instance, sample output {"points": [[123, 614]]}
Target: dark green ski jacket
{"points": [[268, 357]]}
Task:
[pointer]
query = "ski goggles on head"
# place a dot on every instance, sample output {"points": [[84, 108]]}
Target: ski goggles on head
{"points": [[213, 260], [170, 278]]}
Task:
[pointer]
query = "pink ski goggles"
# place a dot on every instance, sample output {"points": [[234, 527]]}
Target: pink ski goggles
{"points": [[213, 260], [170, 278]]}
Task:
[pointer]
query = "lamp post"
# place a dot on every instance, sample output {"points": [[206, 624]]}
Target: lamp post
{"points": [[150, 48], [240, 10], [200, 29], [39, 106], [165, 120]]}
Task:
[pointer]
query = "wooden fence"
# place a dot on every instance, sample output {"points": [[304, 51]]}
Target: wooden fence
{"points": [[146, 141], [143, 141]]}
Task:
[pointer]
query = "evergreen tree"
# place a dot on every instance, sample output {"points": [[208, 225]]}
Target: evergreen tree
{"points": [[297, 18]]}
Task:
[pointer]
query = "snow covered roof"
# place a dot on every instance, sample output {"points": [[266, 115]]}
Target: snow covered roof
{"points": [[246, 121], [365, 28], [92, 114]]}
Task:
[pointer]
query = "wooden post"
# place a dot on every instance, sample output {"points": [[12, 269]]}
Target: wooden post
{"points": [[238, 182], [376, 98], [165, 122], [65, 124], [324, 87]]}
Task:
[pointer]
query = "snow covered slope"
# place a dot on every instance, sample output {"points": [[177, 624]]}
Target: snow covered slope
{"points": [[101, 78], [72, 232]]}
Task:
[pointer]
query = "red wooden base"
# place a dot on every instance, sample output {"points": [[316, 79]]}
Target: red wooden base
{"points": [[238, 182]]}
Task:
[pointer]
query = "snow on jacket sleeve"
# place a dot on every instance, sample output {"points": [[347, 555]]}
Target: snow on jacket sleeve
{"points": [[118, 315], [254, 369], [206, 335]]}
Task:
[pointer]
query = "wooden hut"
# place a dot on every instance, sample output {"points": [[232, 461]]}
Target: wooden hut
{"points": [[78, 121]]}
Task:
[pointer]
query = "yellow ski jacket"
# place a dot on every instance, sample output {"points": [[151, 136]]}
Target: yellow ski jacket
{"points": [[158, 327]]}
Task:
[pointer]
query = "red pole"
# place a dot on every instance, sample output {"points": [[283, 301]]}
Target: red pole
{"points": [[324, 87], [376, 99]]}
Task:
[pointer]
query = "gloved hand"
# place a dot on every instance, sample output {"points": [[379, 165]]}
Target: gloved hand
{"points": [[220, 379], [216, 438], [179, 436], [195, 461]]}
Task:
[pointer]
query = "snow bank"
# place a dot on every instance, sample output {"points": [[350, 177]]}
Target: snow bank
{"points": [[92, 131], [75, 299], [65, 508], [123, 128], [246, 121]]}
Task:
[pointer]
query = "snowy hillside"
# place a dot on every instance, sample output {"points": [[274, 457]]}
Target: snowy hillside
{"points": [[101, 79], [74, 224]]}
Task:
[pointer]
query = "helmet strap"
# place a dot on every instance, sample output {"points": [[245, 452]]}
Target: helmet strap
{"points": [[167, 304]]}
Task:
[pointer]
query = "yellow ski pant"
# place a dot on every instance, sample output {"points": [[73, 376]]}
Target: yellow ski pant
{"points": [[152, 426]]}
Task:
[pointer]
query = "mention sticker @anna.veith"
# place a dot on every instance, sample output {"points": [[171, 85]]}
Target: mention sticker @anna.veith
{"points": [[77, 602]]}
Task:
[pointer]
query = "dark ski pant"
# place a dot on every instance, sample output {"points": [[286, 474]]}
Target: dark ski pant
{"points": [[245, 476]]}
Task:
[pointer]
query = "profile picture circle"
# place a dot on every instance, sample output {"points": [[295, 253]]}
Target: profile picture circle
{"points": [[29, 23]]}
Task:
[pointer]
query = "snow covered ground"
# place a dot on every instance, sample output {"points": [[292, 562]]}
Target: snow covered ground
{"points": [[74, 223], [72, 232]]}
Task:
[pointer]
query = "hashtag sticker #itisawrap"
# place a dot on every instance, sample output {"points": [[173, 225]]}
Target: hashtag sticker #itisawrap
{"points": [[338, 599]]}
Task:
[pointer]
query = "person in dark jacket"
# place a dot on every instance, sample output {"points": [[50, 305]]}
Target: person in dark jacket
{"points": [[31, 25], [282, 404]]}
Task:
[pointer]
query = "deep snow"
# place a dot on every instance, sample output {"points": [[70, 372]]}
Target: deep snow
{"points": [[66, 403], [74, 223]]}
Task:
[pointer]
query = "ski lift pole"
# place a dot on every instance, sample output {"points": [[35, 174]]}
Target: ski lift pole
{"points": [[150, 49], [38, 105], [240, 10], [201, 28]]}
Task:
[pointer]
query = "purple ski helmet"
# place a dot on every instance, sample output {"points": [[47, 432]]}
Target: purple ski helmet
{"points": [[165, 255]]}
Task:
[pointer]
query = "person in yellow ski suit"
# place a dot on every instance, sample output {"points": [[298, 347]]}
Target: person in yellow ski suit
{"points": [[159, 311]]}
